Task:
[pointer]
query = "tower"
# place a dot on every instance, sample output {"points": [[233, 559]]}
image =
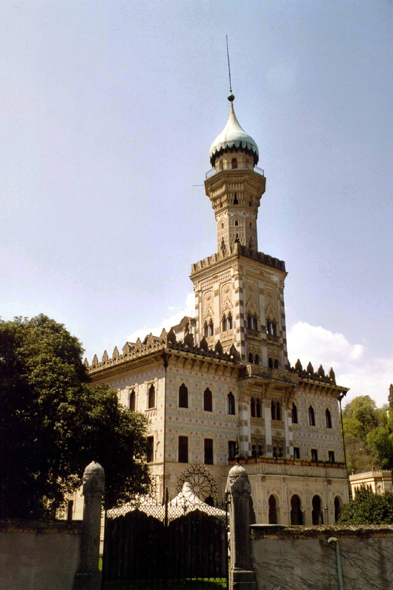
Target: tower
{"points": [[238, 290]]}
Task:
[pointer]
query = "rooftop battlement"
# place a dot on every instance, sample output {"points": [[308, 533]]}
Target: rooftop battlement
{"points": [[238, 250]]}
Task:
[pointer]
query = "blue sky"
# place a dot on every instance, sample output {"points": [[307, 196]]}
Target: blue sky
{"points": [[108, 110]]}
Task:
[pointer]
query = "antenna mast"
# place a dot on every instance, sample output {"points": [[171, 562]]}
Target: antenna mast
{"points": [[229, 67]]}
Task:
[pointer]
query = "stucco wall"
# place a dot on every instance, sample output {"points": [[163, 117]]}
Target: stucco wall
{"points": [[296, 558], [38, 556]]}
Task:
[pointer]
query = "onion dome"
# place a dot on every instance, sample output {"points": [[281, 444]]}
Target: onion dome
{"points": [[233, 137]]}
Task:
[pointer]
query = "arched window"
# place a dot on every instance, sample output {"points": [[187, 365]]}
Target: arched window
{"points": [[273, 410], [236, 222], [276, 365], [258, 408], [280, 453], [230, 322], [272, 510], [296, 510], [208, 400], [274, 329], [211, 328], [256, 361], [278, 411], [234, 163], [208, 451], [235, 201], [183, 449], [294, 414], [231, 403], [253, 407], [231, 449], [311, 416], [296, 452], [152, 397], [254, 323], [337, 508], [275, 452], [314, 455], [328, 417], [224, 324], [70, 508], [254, 450], [270, 363], [132, 401], [183, 396], [249, 322], [150, 449], [250, 358], [331, 457], [260, 450], [206, 330], [317, 513]]}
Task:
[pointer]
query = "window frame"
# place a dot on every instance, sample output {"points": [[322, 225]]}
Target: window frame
{"points": [[182, 440]]}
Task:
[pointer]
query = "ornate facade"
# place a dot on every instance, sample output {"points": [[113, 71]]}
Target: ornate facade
{"points": [[220, 384]]}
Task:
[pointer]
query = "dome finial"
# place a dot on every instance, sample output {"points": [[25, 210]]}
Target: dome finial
{"points": [[231, 96]]}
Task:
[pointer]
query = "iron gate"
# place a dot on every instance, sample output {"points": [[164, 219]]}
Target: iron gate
{"points": [[175, 545]]}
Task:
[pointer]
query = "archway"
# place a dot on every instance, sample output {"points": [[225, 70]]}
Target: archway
{"points": [[317, 513], [273, 510], [337, 507], [296, 510]]}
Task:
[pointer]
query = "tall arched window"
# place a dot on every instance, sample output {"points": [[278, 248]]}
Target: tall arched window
{"points": [[276, 365], [317, 513], [208, 451], [252, 407], [337, 508], [230, 322], [256, 359], [231, 403], [250, 358], [270, 363], [208, 400], [235, 201], [311, 416], [328, 418], [294, 414], [152, 397], [272, 510], [254, 451], [132, 401], [211, 328], [258, 408], [183, 449], [234, 163], [224, 324], [296, 510], [273, 410], [183, 396], [206, 330], [249, 322], [254, 323], [278, 411]]}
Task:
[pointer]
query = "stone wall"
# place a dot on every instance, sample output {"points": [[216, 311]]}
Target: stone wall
{"points": [[295, 558], [39, 556]]}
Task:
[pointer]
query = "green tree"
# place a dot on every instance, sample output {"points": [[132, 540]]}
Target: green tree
{"points": [[53, 423], [368, 508]]}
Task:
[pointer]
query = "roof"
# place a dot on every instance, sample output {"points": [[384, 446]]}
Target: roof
{"points": [[233, 135]]}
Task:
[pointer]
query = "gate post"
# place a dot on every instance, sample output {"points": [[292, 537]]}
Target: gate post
{"points": [[241, 573], [88, 576]]}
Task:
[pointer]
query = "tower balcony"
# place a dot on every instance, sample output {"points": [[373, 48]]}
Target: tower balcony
{"points": [[213, 171]]}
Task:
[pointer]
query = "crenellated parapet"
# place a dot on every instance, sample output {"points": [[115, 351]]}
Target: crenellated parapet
{"points": [[238, 250], [154, 344]]}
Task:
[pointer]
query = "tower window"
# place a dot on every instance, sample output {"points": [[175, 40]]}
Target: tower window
{"points": [[236, 222], [224, 324], [231, 449], [208, 400], [258, 408], [314, 455], [254, 323], [294, 414], [328, 417], [132, 401], [253, 408], [208, 451], [257, 359], [231, 403], [270, 363], [183, 396], [235, 201], [222, 226], [152, 397], [183, 449], [230, 322], [296, 452], [331, 456], [150, 449], [250, 358], [273, 410], [234, 163], [311, 416]]}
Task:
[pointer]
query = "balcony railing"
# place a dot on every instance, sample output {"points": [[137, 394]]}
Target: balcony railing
{"points": [[213, 171]]}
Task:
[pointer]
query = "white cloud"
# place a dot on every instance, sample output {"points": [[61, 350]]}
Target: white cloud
{"points": [[166, 323], [353, 365]]}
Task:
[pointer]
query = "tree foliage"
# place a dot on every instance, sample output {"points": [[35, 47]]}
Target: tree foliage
{"points": [[368, 435], [368, 508], [53, 423]]}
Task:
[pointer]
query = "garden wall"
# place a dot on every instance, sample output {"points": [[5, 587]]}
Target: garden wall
{"points": [[38, 555], [295, 558]]}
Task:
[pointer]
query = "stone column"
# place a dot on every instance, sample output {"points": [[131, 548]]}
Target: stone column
{"points": [[241, 574], [244, 430], [268, 428], [88, 576]]}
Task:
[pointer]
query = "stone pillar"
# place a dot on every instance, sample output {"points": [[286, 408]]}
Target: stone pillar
{"points": [[268, 428], [241, 573], [244, 430], [88, 576]]}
